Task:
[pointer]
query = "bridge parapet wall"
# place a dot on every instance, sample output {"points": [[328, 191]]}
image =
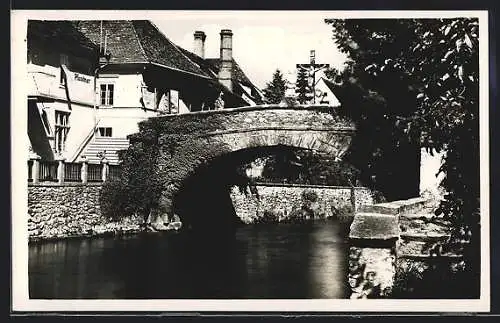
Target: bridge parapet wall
{"points": [[268, 116]]}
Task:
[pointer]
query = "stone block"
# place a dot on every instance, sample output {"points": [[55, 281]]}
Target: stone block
{"points": [[401, 207], [374, 226]]}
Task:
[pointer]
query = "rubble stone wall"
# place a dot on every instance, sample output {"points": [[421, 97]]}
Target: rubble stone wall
{"points": [[282, 199], [71, 210]]}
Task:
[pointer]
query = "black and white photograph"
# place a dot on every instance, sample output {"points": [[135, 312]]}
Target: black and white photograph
{"points": [[250, 161]]}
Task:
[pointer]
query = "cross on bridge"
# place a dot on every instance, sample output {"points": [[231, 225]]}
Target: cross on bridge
{"points": [[312, 68]]}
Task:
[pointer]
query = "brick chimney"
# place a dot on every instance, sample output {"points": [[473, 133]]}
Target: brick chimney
{"points": [[199, 43], [226, 57]]}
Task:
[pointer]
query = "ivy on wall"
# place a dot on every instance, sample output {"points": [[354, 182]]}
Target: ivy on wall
{"points": [[167, 151], [164, 153]]}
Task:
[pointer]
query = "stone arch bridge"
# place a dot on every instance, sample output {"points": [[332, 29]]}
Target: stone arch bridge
{"points": [[320, 128]]}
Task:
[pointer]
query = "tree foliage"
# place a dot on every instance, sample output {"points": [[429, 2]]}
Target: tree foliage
{"points": [[420, 78], [302, 86], [306, 167], [275, 90]]}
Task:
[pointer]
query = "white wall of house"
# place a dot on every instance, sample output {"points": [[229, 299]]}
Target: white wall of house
{"points": [[127, 111], [127, 89], [122, 116], [123, 121], [46, 80], [81, 122], [324, 95]]}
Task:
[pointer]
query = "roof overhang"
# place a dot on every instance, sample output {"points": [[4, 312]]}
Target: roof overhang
{"points": [[181, 71], [129, 67]]}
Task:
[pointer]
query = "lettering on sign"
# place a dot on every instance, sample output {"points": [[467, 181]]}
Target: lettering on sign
{"points": [[81, 78]]}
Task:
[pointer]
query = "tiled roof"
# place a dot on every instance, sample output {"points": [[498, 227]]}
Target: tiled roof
{"points": [[204, 64], [121, 41], [341, 91], [238, 74], [60, 32], [159, 49], [211, 66], [138, 41]]}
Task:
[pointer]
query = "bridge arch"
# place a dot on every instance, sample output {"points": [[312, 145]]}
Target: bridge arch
{"points": [[319, 128]]}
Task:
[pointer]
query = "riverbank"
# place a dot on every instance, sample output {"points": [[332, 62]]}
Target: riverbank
{"points": [[117, 233], [69, 210], [72, 210]]}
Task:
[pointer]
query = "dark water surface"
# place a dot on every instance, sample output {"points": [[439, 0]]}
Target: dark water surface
{"points": [[265, 261]]}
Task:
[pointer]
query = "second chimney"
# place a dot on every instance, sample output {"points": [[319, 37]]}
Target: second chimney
{"points": [[226, 58], [199, 43]]}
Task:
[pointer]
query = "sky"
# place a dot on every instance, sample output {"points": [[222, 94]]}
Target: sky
{"points": [[262, 41]]}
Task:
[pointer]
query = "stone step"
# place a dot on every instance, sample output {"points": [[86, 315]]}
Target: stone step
{"points": [[425, 237], [408, 206]]}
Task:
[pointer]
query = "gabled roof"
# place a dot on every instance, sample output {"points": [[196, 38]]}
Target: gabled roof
{"points": [[238, 77], [204, 64], [211, 66], [137, 41]]}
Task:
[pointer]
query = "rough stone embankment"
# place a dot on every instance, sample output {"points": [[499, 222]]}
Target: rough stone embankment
{"points": [[71, 210], [281, 202]]}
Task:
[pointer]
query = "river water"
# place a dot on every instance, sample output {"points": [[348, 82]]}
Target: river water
{"points": [[277, 261]]}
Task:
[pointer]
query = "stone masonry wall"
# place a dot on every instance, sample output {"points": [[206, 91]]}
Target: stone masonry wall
{"points": [[316, 116], [70, 210], [388, 238], [281, 199]]}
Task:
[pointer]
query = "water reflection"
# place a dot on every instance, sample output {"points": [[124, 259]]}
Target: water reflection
{"points": [[271, 261]]}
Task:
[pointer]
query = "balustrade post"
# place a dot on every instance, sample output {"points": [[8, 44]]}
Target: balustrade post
{"points": [[60, 170], [84, 171], [35, 170], [105, 169]]}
